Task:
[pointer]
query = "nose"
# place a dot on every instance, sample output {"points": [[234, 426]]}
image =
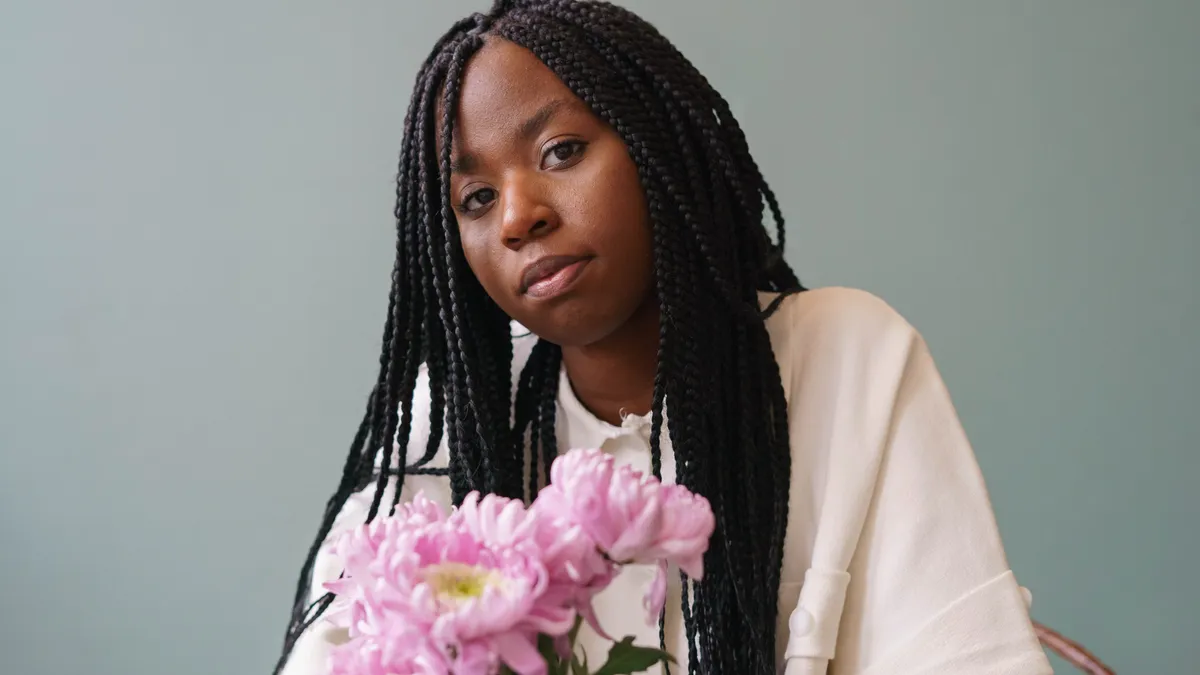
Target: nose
{"points": [[525, 214]]}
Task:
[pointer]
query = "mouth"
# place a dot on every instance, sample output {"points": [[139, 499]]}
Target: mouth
{"points": [[551, 276]]}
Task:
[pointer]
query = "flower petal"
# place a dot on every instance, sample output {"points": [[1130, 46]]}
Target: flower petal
{"points": [[656, 595], [589, 615], [519, 654]]}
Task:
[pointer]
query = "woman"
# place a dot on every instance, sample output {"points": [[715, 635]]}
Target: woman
{"points": [[581, 256]]}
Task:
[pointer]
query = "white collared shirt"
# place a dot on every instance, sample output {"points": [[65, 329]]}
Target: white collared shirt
{"points": [[893, 562]]}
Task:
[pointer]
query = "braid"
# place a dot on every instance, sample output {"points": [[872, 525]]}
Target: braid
{"points": [[547, 405], [473, 434], [524, 411], [706, 200]]}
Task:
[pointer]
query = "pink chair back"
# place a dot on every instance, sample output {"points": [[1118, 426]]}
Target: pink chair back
{"points": [[1072, 652]]}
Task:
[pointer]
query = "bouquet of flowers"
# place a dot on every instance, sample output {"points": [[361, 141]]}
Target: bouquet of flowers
{"points": [[497, 587]]}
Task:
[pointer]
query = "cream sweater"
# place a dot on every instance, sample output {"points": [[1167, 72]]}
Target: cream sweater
{"points": [[893, 564]]}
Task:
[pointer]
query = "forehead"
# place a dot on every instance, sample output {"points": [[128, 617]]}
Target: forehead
{"points": [[503, 85]]}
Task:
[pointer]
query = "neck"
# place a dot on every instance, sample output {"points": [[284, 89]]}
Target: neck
{"points": [[616, 374]]}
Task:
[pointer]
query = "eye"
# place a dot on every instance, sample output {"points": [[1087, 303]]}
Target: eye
{"points": [[477, 200], [563, 154]]}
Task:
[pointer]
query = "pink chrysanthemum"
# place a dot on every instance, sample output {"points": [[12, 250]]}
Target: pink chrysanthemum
{"points": [[631, 517], [467, 589], [429, 593]]}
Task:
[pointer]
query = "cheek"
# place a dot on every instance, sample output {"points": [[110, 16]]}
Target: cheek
{"points": [[480, 258], [612, 201], [630, 215]]}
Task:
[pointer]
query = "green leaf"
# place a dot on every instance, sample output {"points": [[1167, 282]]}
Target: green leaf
{"points": [[575, 631], [574, 667], [554, 665], [626, 658], [578, 668]]}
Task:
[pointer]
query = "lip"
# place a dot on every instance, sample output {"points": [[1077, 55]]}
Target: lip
{"points": [[551, 275]]}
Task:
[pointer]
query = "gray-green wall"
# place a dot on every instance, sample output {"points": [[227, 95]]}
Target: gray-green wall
{"points": [[194, 250]]}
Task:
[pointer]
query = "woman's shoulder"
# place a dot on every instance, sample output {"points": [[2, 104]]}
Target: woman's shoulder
{"points": [[834, 321]]}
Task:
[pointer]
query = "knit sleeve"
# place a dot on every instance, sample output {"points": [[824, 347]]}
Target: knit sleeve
{"points": [[930, 588]]}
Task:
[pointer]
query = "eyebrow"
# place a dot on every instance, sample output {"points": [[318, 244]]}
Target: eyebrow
{"points": [[538, 120], [528, 129]]}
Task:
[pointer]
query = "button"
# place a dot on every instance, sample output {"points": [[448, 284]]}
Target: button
{"points": [[1027, 596], [801, 622]]}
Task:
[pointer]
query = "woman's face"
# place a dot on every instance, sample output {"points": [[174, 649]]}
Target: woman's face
{"points": [[551, 214]]}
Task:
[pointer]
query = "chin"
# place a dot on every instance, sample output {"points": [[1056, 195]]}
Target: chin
{"points": [[574, 324]]}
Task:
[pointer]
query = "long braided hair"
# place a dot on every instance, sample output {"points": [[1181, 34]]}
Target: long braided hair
{"points": [[706, 196]]}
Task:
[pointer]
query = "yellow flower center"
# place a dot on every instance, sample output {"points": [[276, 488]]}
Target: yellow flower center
{"points": [[455, 582]]}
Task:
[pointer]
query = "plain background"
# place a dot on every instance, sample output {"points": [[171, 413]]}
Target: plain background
{"points": [[195, 245]]}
